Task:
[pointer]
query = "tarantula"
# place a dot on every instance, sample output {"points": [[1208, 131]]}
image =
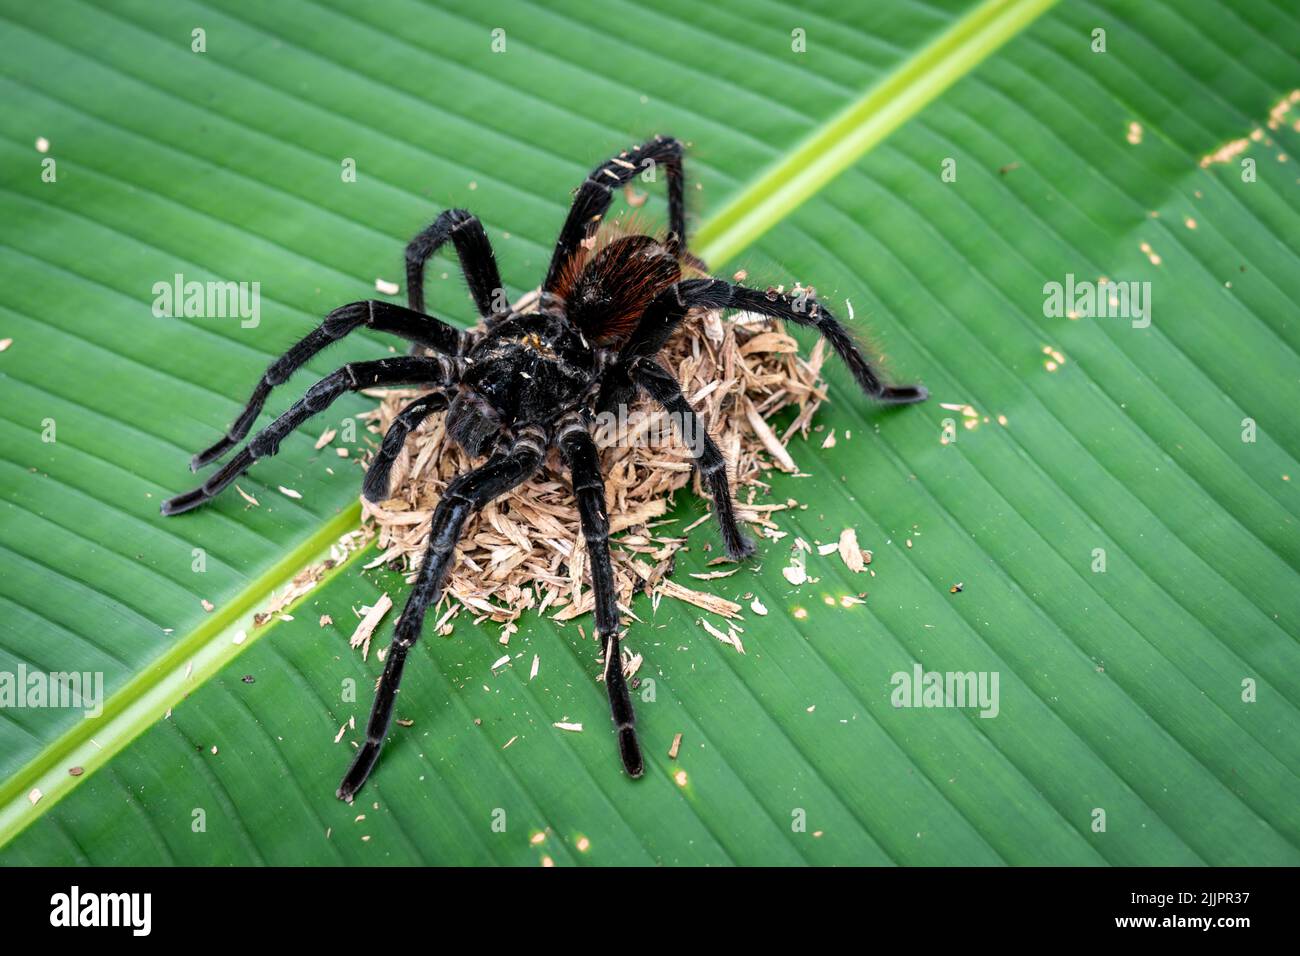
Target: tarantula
{"points": [[526, 382]]}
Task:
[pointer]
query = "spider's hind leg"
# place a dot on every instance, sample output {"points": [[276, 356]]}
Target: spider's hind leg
{"points": [[663, 388], [466, 494], [803, 309], [376, 486], [670, 307], [579, 452]]}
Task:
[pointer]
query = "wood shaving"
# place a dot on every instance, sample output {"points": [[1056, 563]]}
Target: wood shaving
{"points": [[366, 627], [730, 639], [677, 745], [310, 576], [850, 553], [631, 663], [795, 573], [714, 575], [768, 438]]}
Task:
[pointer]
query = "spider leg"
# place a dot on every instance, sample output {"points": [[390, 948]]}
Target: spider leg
{"points": [[597, 192], [404, 370], [656, 325], [807, 311], [477, 262], [669, 308], [466, 494], [660, 384], [376, 485], [579, 452], [381, 316]]}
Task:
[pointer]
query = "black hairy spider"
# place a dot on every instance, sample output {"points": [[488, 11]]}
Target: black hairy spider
{"points": [[529, 381]]}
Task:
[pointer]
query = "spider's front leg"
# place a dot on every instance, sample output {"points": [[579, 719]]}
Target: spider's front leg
{"points": [[477, 262], [579, 452], [464, 495], [404, 370], [596, 193], [381, 316]]}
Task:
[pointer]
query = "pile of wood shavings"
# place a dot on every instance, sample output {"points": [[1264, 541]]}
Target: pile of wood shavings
{"points": [[310, 576], [525, 550]]}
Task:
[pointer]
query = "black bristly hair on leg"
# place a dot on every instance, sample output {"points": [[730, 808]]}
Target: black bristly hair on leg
{"points": [[579, 451], [803, 309], [466, 494], [381, 316], [403, 370], [596, 193], [477, 262], [660, 385], [670, 307], [376, 484], [666, 313]]}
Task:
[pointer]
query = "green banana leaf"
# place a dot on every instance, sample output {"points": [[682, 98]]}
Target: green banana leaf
{"points": [[1100, 512]]}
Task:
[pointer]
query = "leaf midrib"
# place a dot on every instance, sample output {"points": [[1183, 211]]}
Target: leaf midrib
{"points": [[784, 186]]}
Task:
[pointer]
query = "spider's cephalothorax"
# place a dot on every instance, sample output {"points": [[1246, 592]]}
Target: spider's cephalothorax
{"points": [[523, 370], [530, 380]]}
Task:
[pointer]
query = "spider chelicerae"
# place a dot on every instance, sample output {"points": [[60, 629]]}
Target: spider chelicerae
{"points": [[526, 382]]}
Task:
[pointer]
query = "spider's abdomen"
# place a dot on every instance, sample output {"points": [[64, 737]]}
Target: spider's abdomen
{"points": [[611, 293], [529, 369]]}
